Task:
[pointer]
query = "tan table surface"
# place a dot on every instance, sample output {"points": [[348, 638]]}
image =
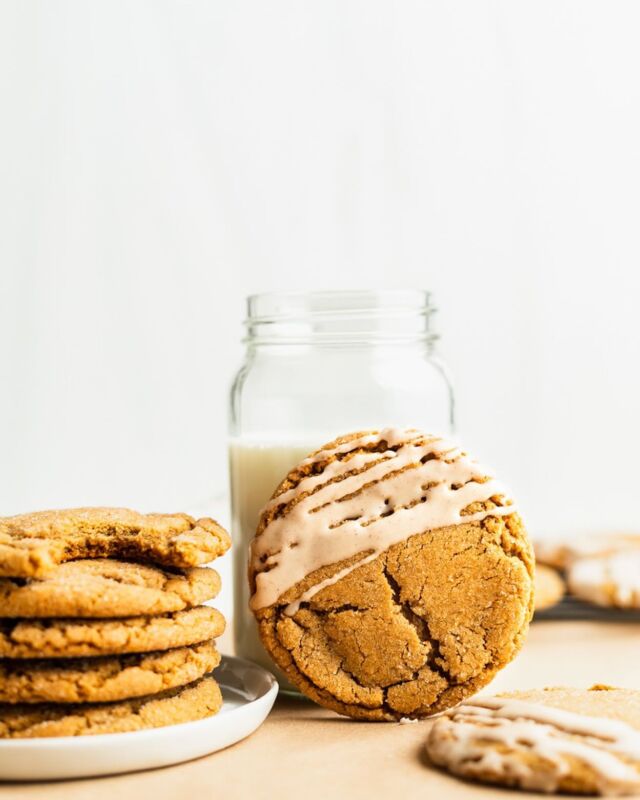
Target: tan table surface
{"points": [[305, 752]]}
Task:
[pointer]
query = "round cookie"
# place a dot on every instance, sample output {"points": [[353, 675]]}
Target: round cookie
{"points": [[74, 638], [184, 704], [32, 544], [612, 580], [549, 588], [390, 575], [561, 551], [104, 588], [549, 740], [104, 679]]}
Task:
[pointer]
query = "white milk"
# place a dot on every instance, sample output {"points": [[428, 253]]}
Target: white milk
{"points": [[255, 468]]}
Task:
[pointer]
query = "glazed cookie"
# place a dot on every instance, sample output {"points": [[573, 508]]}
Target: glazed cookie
{"points": [[73, 638], [103, 679], [183, 704], [104, 588], [549, 740], [31, 545], [549, 588], [561, 551], [390, 575], [612, 580]]}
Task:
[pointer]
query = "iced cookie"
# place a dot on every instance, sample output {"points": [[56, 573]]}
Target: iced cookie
{"points": [[549, 588], [561, 551], [73, 638], [104, 588], [549, 740], [612, 580], [183, 704], [391, 576], [31, 545], [103, 679]]}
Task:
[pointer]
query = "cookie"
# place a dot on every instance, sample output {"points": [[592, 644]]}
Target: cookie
{"points": [[32, 544], [549, 740], [390, 576], [106, 678], [561, 551], [612, 580], [184, 704], [74, 638], [549, 588], [104, 588]]}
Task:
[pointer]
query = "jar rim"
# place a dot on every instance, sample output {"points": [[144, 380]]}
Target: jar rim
{"points": [[274, 306], [340, 317]]}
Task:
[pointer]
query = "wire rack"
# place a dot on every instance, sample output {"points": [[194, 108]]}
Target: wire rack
{"points": [[569, 608]]}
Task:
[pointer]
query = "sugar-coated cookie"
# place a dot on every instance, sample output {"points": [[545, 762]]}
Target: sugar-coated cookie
{"points": [[183, 704], [31, 545], [103, 679], [73, 638], [101, 587]]}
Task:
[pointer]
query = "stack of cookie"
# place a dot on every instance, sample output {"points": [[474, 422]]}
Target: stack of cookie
{"points": [[101, 624]]}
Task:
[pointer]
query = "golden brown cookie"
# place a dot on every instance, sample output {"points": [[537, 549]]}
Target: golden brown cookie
{"points": [[31, 545], [391, 576], [103, 679], [104, 588], [561, 551], [76, 638], [183, 704], [549, 588], [609, 580], [549, 740]]}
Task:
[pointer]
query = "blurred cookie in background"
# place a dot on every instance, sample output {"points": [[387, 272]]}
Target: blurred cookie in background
{"points": [[611, 581], [549, 587], [561, 551]]}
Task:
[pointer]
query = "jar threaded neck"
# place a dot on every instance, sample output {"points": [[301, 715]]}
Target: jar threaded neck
{"points": [[340, 317]]}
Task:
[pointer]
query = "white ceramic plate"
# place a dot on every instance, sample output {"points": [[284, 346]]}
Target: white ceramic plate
{"points": [[248, 691]]}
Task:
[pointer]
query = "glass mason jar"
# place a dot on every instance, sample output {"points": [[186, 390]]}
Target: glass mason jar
{"points": [[319, 365]]}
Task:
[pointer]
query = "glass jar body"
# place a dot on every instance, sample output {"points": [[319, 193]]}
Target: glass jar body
{"points": [[289, 399]]}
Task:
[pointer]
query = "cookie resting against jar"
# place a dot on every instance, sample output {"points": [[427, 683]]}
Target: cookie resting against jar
{"points": [[318, 364]]}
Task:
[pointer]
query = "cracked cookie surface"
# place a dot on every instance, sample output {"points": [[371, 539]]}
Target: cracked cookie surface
{"points": [[31, 545], [72, 638], [106, 588], [105, 678], [406, 630], [183, 704]]}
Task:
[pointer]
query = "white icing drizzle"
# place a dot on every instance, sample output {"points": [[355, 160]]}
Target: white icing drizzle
{"points": [[459, 741], [418, 483], [608, 580]]}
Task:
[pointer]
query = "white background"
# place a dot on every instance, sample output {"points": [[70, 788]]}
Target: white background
{"points": [[160, 160]]}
